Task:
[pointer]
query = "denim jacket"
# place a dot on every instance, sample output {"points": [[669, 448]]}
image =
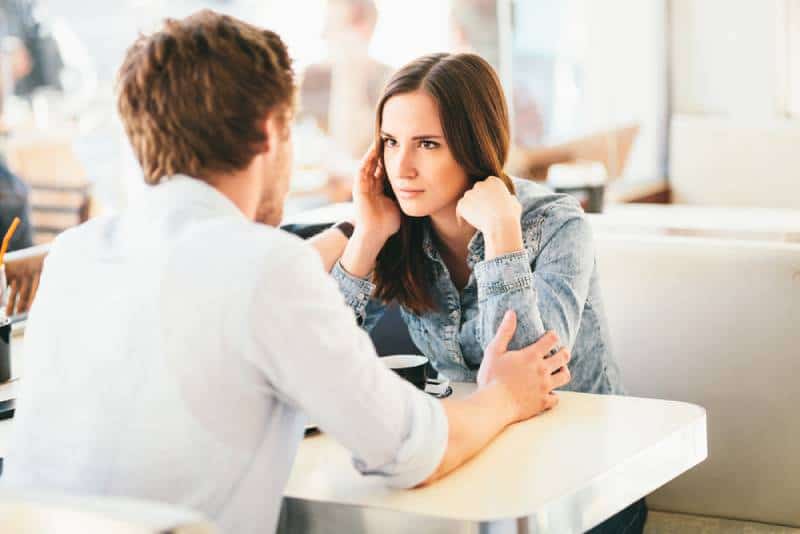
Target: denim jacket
{"points": [[552, 285]]}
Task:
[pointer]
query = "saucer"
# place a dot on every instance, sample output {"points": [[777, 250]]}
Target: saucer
{"points": [[445, 394], [438, 388]]}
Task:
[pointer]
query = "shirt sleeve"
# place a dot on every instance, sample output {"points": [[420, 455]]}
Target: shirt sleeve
{"points": [[314, 356]]}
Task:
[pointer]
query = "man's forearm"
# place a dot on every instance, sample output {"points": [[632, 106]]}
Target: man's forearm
{"points": [[472, 423], [330, 245]]}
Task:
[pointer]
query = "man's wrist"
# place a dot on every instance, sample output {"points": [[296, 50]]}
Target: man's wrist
{"points": [[498, 395], [346, 228]]}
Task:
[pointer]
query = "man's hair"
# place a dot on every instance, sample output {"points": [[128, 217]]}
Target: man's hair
{"points": [[194, 95]]}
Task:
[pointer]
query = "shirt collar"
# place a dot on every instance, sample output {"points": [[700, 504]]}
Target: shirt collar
{"points": [[198, 195]]}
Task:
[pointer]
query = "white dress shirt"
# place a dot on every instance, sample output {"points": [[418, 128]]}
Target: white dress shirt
{"points": [[172, 351]]}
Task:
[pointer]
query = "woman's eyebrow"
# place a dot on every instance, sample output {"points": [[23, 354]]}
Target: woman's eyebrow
{"points": [[416, 137]]}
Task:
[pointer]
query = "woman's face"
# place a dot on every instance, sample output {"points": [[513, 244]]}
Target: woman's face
{"points": [[424, 176]]}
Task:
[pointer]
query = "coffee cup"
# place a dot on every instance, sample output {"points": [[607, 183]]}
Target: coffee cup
{"points": [[411, 367], [5, 350], [414, 368]]}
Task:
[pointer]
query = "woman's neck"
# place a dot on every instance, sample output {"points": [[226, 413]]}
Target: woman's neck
{"points": [[453, 233]]}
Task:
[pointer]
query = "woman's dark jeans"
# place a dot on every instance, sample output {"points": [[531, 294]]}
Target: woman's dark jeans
{"points": [[629, 521]]}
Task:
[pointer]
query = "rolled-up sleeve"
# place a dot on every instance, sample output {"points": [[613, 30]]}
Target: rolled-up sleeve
{"points": [[315, 357], [427, 431], [500, 275]]}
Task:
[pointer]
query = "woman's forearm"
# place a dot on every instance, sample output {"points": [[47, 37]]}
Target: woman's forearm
{"points": [[361, 253], [503, 237]]}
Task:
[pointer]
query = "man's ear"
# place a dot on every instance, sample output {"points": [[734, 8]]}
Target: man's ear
{"points": [[276, 127], [267, 130]]}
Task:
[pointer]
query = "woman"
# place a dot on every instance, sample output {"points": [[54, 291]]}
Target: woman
{"points": [[442, 230]]}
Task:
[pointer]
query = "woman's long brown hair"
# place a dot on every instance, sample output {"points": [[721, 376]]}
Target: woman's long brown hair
{"points": [[474, 118]]}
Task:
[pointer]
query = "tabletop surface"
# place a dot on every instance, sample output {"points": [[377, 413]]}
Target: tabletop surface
{"points": [[592, 453]]}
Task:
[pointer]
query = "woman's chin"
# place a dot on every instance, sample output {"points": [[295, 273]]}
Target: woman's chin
{"points": [[413, 209]]}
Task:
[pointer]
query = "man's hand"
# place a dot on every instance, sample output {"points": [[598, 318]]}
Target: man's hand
{"points": [[513, 385], [529, 375]]}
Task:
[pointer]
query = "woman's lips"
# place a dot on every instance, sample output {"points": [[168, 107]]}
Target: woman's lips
{"points": [[408, 193]]}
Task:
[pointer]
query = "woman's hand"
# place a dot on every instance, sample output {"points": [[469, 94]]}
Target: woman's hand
{"points": [[495, 212], [377, 218], [376, 214]]}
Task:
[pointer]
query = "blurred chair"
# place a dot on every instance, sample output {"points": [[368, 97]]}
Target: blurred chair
{"points": [[56, 207], [23, 269], [60, 192], [40, 513]]}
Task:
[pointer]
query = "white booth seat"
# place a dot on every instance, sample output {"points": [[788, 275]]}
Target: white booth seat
{"points": [[717, 323], [49, 513]]}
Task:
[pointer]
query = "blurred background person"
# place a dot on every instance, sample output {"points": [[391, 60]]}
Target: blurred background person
{"points": [[19, 73], [340, 93], [39, 61]]}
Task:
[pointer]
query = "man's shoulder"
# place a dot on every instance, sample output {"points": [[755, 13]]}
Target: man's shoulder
{"points": [[258, 245], [80, 239]]}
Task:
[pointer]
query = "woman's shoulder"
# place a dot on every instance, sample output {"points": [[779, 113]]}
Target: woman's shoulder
{"points": [[539, 204]]}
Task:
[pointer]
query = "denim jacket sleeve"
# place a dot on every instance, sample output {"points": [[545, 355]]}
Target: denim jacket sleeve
{"points": [[357, 294], [547, 292]]}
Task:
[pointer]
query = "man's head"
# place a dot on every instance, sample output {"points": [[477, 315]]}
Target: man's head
{"points": [[209, 96]]}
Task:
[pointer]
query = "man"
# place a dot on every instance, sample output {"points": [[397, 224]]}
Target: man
{"points": [[172, 350]]}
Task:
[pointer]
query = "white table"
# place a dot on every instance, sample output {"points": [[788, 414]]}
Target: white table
{"points": [[564, 471]]}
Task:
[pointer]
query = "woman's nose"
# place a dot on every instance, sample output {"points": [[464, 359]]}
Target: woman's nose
{"points": [[405, 166]]}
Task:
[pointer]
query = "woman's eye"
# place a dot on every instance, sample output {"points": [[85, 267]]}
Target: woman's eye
{"points": [[428, 144], [389, 142]]}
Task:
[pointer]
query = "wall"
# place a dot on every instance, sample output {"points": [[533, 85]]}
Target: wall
{"points": [[735, 89]]}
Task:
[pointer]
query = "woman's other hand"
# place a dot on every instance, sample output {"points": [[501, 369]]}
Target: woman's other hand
{"points": [[495, 212]]}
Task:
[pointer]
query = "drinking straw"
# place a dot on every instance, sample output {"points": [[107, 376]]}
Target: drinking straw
{"points": [[7, 238]]}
